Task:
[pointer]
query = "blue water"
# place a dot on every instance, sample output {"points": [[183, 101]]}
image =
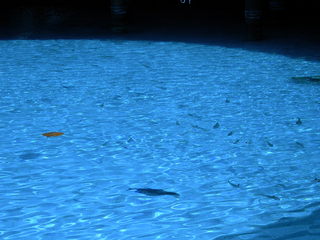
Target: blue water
{"points": [[219, 125]]}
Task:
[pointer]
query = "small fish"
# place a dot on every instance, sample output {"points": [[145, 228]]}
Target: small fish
{"points": [[217, 125], [198, 127], [299, 122], [230, 133], [194, 115], [67, 87], [317, 180], [269, 144], [227, 100], [154, 192], [107, 56], [236, 141], [233, 184], [145, 65], [52, 134], [27, 156], [270, 196], [162, 88], [307, 78], [300, 144]]}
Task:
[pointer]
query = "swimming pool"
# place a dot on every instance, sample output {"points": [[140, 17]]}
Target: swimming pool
{"points": [[224, 127]]}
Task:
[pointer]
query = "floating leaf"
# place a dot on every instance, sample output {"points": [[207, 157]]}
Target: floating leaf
{"points": [[52, 134]]}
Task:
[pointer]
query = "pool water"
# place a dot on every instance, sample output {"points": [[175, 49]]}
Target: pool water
{"points": [[224, 127]]}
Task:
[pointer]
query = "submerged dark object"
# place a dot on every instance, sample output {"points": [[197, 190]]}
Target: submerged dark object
{"points": [[300, 144], [299, 122], [315, 79], [236, 185], [270, 196], [154, 192], [28, 156], [217, 125], [230, 133], [269, 144]]}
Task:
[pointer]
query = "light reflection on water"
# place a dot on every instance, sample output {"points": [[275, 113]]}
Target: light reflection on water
{"points": [[131, 126]]}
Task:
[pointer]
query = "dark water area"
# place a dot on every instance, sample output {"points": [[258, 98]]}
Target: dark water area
{"points": [[71, 16], [293, 32]]}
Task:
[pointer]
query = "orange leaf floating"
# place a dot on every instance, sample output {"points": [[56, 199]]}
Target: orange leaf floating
{"points": [[52, 134]]}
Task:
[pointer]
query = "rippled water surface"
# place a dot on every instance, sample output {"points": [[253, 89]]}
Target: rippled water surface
{"points": [[225, 128]]}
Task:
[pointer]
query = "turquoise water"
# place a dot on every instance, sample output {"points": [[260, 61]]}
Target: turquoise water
{"points": [[218, 125]]}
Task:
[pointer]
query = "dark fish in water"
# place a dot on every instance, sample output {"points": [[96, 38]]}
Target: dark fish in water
{"points": [[154, 192], [27, 156], [300, 144], [317, 180], [306, 79], [230, 133], [197, 127], [270, 196], [145, 65], [269, 144], [130, 140], [67, 87], [217, 125], [236, 141], [194, 115], [299, 122], [234, 184]]}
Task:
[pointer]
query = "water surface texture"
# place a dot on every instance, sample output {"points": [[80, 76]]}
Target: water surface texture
{"points": [[224, 128]]}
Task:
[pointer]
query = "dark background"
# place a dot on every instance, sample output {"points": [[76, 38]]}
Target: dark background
{"points": [[93, 17]]}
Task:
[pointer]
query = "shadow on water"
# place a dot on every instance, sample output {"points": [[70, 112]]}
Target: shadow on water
{"points": [[287, 228], [296, 35]]}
